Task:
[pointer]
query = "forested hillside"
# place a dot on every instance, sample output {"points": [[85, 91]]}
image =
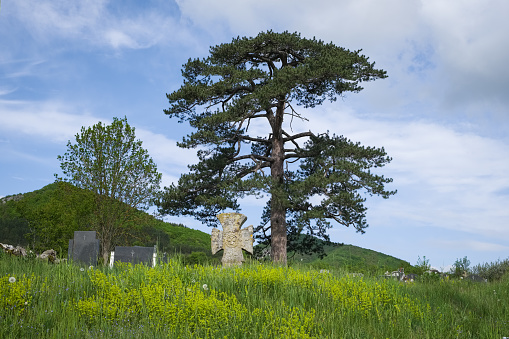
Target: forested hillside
{"points": [[47, 218]]}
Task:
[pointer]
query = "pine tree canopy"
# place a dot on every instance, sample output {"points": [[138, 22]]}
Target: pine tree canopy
{"points": [[311, 179]]}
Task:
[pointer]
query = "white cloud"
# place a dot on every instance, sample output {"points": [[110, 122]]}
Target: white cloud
{"points": [[119, 39], [353, 21], [31, 157], [22, 68], [171, 160], [473, 245], [6, 90], [471, 42], [94, 23], [50, 120]]}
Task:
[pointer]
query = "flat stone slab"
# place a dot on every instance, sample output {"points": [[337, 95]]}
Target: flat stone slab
{"points": [[476, 278], [134, 255], [84, 248]]}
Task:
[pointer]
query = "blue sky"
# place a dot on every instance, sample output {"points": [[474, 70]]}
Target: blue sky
{"points": [[442, 115]]}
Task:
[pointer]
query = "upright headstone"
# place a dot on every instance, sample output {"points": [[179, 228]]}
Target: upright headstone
{"points": [[84, 248], [232, 239], [411, 277], [134, 255]]}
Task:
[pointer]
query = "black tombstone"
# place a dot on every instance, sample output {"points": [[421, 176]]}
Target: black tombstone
{"points": [[84, 248], [135, 255]]}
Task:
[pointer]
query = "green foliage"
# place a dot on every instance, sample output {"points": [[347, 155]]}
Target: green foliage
{"points": [[16, 293], [492, 271], [267, 77], [53, 213], [461, 266], [422, 265], [109, 161], [13, 227], [196, 258]]}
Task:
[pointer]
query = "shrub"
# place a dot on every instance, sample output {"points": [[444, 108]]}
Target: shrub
{"points": [[493, 271]]}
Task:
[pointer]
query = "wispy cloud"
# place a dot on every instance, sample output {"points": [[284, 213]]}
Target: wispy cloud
{"points": [[49, 120], [93, 23], [24, 68], [481, 246], [6, 90], [171, 160]]}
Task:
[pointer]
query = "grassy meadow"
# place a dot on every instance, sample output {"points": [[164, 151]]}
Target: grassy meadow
{"points": [[40, 300]]}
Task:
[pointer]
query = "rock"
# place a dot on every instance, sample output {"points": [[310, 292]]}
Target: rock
{"points": [[50, 256], [18, 250]]}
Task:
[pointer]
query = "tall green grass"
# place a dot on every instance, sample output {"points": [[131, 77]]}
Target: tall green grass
{"points": [[253, 301]]}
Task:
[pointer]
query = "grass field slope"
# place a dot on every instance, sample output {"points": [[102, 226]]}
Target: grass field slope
{"points": [[174, 300]]}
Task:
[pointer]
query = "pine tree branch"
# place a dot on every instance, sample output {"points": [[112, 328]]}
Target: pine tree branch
{"points": [[253, 157], [297, 136], [246, 137], [253, 169]]}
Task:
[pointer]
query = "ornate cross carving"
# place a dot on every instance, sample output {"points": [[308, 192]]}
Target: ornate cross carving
{"points": [[232, 239]]}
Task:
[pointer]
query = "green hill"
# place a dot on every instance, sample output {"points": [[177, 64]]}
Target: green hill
{"points": [[358, 259], [351, 258], [47, 218]]}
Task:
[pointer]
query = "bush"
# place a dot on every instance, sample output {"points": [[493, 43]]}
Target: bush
{"points": [[196, 258], [493, 271]]}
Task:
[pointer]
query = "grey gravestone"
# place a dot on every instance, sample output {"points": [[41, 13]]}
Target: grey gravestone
{"points": [[411, 277], [476, 278], [134, 255], [84, 248], [232, 239]]}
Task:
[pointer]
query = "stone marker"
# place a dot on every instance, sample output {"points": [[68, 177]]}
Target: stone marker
{"points": [[84, 248], [476, 278], [134, 255], [232, 239], [411, 277]]}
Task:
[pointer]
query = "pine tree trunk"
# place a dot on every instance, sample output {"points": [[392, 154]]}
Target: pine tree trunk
{"points": [[278, 209], [278, 232]]}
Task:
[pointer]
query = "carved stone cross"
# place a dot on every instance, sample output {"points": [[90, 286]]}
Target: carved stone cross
{"points": [[232, 239]]}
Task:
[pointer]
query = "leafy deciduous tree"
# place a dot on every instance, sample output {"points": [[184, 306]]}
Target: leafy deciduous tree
{"points": [[264, 79], [109, 161], [461, 266]]}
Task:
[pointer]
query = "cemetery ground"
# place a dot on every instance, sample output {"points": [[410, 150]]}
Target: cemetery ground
{"points": [[172, 300]]}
